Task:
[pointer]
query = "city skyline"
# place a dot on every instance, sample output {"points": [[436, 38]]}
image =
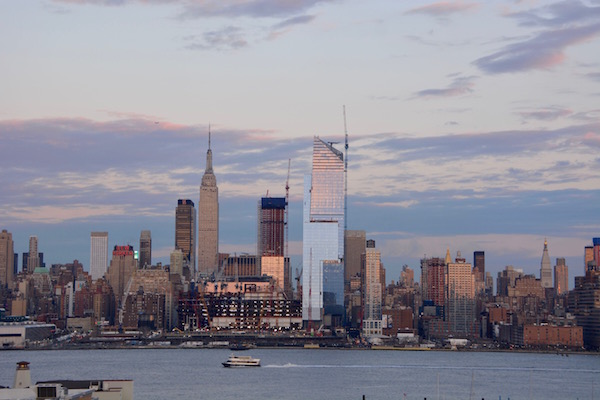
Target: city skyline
{"points": [[472, 125]]}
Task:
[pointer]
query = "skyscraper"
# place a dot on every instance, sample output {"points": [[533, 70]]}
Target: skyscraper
{"points": [[208, 219], [185, 232], [561, 276], [433, 279], [33, 260], [479, 265], [145, 249], [270, 242], [323, 224], [372, 324], [271, 226], [546, 269], [7, 255], [121, 269], [460, 297], [98, 254], [354, 248]]}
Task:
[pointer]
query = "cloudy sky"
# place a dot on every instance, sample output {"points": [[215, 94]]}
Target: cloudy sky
{"points": [[473, 125]]}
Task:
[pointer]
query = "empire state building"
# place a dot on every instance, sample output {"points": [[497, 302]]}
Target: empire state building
{"points": [[208, 219]]}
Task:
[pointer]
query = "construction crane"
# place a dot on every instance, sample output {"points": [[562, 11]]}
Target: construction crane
{"points": [[287, 209], [345, 174]]}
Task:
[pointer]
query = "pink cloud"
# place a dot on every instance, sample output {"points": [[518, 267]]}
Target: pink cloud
{"points": [[443, 8]]}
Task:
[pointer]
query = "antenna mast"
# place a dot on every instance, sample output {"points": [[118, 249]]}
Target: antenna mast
{"points": [[345, 174]]}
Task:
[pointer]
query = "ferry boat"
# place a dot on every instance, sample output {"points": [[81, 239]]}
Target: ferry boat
{"points": [[241, 361]]}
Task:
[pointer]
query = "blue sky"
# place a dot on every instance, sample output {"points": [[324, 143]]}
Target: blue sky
{"points": [[473, 125]]}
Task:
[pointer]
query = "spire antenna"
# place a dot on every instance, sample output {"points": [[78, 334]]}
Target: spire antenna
{"points": [[209, 135]]}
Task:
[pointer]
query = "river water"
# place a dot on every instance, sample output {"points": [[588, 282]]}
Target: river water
{"points": [[322, 374]]}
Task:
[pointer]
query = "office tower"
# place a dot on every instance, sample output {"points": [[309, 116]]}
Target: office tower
{"points": [[208, 219], [177, 260], [121, 269], [323, 224], [460, 297], [354, 247], [561, 276], [372, 290], [33, 259], [596, 243], [98, 254], [185, 232], [546, 269], [479, 265], [145, 249], [433, 275], [7, 254]]}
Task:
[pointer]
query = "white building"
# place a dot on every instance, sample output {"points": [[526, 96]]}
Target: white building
{"points": [[98, 254]]}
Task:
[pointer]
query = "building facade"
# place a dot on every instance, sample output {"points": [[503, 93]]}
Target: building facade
{"points": [[460, 298], [561, 277], [372, 290], [121, 269], [33, 258], [145, 257], [6, 258], [98, 254], [185, 232], [208, 219], [545, 268], [323, 224]]}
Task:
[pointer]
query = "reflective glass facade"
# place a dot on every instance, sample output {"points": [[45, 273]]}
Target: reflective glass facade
{"points": [[323, 230]]}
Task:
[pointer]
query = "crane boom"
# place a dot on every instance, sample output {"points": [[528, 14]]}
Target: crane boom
{"points": [[287, 209]]}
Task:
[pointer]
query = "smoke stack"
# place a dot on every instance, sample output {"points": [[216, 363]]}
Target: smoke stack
{"points": [[22, 376]]}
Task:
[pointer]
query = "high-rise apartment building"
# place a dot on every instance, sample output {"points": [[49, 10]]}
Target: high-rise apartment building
{"points": [[561, 276], [460, 297], [98, 254], [596, 243], [185, 232], [33, 259], [545, 268], [354, 247], [323, 224], [373, 288], [208, 219], [176, 265], [433, 280], [145, 258], [7, 255]]}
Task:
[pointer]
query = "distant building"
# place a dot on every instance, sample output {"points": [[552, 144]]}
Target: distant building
{"points": [[208, 219], [407, 277], [506, 279], [98, 254], [121, 269], [545, 268], [372, 323], [7, 254], [185, 233], [479, 266], [561, 276], [145, 257], [354, 247], [271, 226], [433, 280], [33, 259], [323, 224], [460, 298], [176, 265], [588, 257]]}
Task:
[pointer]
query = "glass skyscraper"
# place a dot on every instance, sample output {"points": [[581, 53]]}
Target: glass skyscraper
{"points": [[323, 225]]}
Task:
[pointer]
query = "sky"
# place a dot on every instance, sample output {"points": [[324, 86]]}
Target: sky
{"points": [[473, 125]]}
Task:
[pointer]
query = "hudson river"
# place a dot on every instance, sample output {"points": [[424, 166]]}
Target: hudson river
{"points": [[322, 374]]}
